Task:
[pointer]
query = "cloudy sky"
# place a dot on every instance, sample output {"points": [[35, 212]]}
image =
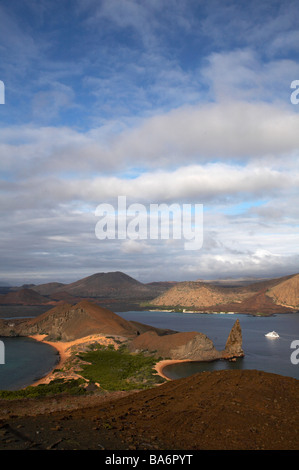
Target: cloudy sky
{"points": [[161, 101]]}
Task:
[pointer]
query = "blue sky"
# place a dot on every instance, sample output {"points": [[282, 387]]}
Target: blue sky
{"points": [[162, 101]]}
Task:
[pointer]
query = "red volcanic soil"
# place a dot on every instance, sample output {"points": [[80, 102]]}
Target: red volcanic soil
{"points": [[113, 285], [24, 297], [83, 319], [263, 297], [220, 410], [255, 304]]}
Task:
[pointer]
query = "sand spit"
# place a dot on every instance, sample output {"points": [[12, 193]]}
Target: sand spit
{"points": [[65, 350]]}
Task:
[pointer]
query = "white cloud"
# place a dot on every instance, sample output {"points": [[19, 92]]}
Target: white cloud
{"points": [[184, 102], [213, 183], [133, 246], [227, 131], [242, 75]]}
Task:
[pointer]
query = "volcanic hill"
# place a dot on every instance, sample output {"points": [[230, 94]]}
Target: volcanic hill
{"points": [[117, 291], [286, 292], [114, 290], [24, 297], [113, 285], [69, 322], [271, 296]]}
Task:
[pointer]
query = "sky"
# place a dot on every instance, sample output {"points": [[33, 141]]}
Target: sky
{"points": [[160, 101]]}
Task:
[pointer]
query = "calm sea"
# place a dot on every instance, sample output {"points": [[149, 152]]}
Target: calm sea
{"points": [[27, 360], [261, 353]]}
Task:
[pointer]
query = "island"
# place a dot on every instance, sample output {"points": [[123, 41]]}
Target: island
{"points": [[76, 328]]}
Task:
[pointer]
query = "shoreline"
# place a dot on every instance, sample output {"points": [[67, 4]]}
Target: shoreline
{"points": [[64, 350], [160, 366], [62, 357]]}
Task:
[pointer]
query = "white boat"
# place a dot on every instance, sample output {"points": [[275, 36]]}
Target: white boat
{"points": [[272, 334]]}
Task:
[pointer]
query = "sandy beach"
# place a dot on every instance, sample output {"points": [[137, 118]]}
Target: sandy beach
{"points": [[159, 367], [65, 350]]}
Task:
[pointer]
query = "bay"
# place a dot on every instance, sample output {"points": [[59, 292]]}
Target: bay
{"points": [[261, 353], [26, 361]]}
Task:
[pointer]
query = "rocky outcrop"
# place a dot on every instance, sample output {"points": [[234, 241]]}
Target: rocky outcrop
{"points": [[187, 345], [191, 346], [233, 347]]}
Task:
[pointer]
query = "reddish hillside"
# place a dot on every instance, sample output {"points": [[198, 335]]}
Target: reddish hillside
{"points": [[68, 322], [270, 296], [24, 297], [48, 288], [113, 285], [199, 294], [221, 410], [286, 292]]}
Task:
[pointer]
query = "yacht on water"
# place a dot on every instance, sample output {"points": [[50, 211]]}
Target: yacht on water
{"points": [[272, 334]]}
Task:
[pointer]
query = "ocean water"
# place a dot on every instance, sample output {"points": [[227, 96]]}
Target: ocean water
{"points": [[261, 353], [26, 361]]}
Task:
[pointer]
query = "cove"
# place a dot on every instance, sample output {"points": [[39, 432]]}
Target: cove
{"points": [[26, 361]]}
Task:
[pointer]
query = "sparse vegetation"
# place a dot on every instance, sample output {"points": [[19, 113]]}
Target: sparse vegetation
{"points": [[118, 369], [55, 387]]}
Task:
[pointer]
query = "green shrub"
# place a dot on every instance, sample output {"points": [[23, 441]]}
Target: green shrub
{"points": [[55, 387], [119, 369]]}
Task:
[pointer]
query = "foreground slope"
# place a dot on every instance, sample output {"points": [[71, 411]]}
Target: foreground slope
{"points": [[235, 409]]}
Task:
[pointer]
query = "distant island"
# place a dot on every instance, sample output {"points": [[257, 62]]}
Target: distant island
{"points": [[119, 292]]}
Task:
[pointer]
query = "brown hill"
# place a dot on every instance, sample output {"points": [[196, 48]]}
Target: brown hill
{"points": [[65, 297], [258, 303], [112, 285], [67, 322], [23, 297], [48, 288], [286, 292], [199, 294], [269, 296]]}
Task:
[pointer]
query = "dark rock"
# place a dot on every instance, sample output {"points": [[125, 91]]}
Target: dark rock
{"points": [[233, 347]]}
